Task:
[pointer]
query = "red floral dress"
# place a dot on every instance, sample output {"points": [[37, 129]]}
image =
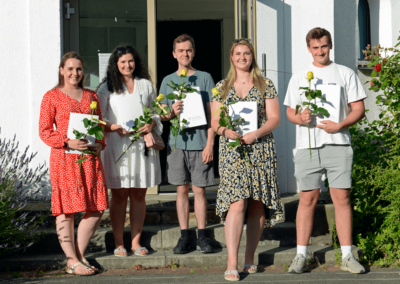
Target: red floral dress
{"points": [[64, 170]]}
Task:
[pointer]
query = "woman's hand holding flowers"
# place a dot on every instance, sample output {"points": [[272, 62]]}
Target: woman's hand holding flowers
{"points": [[97, 147], [248, 138], [78, 144], [147, 128], [229, 133]]}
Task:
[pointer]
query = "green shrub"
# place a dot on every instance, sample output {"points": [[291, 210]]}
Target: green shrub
{"points": [[376, 166], [19, 228]]}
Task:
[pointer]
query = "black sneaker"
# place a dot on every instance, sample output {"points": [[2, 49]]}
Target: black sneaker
{"points": [[203, 245], [182, 246]]}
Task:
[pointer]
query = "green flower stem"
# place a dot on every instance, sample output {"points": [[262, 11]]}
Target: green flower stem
{"points": [[133, 141], [245, 153], [309, 139], [309, 135], [158, 104], [234, 129]]}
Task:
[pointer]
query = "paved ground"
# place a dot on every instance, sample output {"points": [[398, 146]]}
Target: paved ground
{"points": [[389, 276], [199, 275]]}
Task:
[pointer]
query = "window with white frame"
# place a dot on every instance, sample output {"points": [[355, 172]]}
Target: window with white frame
{"points": [[364, 27]]}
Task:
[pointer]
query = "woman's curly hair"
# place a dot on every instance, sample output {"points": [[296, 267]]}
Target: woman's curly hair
{"points": [[114, 77]]}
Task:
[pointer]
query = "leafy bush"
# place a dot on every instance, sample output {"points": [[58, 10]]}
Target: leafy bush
{"points": [[19, 228], [376, 169]]}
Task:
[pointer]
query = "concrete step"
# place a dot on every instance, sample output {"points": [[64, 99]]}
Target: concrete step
{"points": [[161, 209], [161, 237], [265, 255]]}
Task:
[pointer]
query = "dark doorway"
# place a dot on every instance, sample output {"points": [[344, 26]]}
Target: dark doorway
{"points": [[208, 58]]}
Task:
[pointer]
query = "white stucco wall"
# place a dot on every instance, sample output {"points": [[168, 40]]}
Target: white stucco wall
{"points": [[30, 41]]}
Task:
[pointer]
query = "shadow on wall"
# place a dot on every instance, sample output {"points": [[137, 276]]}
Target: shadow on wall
{"points": [[277, 15]]}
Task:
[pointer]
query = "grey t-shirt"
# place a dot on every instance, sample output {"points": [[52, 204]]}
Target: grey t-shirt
{"points": [[193, 138]]}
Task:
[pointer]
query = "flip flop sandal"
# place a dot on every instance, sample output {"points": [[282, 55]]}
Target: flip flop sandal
{"points": [[248, 266], [137, 251], [71, 270], [86, 262], [120, 255], [232, 272]]}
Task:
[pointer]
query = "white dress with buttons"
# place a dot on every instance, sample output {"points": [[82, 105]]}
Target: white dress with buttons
{"points": [[134, 169]]}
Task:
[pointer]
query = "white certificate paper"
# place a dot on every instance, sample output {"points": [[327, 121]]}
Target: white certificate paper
{"points": [[332, 94], [76, 123], [193, 111], [129, 108], [247, 111], [103, 63]]}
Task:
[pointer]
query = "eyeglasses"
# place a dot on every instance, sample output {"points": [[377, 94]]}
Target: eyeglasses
{"points": [[125, 49], [241, 39]]}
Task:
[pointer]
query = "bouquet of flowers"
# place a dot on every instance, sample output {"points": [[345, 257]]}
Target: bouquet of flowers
{"points": [[225, 120], [93, 128], [146, 118], [311, 95], [181, 89]]}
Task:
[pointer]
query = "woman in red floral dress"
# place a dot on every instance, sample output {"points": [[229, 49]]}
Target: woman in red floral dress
{"points": [[67, 197]]}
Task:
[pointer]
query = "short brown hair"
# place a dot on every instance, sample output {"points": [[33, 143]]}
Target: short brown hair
{"points": [[183, 38], [318, 33]]}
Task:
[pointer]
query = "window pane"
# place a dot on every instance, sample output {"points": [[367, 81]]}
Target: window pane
{"points": [[104, 25], [364, 31], [243, 15]]}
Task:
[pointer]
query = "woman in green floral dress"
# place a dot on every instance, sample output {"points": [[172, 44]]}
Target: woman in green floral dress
{"points": [[240, 183]]}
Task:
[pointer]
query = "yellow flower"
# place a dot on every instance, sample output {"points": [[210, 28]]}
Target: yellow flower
{"points": [[183, 73], [215, 92], [310, 75], [160, 97], [93, 105]]}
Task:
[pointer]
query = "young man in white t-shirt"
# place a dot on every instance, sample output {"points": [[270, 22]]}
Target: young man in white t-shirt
{"points": [[330, 146]]}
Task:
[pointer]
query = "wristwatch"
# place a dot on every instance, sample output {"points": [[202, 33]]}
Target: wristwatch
{"points": [[65, 146]]}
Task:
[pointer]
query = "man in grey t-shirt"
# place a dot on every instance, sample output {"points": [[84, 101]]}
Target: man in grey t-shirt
{"points": [[192, 161]]}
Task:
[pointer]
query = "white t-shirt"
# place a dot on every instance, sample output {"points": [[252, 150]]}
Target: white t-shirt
{"points": [[351, 91]]}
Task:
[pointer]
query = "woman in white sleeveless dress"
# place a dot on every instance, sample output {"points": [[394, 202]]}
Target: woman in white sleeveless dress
{"points": [[139, 168]]}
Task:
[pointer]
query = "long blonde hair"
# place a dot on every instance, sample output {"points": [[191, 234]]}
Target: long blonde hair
{"points": [[255, 72]]}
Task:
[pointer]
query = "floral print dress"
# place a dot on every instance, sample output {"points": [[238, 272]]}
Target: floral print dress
{"points": [[240, 181]]}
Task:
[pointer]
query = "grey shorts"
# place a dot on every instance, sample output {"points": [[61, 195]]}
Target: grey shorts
{"points": [[185, 166], [337, 160]]}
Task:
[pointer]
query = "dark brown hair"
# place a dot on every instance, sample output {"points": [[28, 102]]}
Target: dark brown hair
{"points": [[64, 59], [318, 33], [114, 78], [183, 38]]}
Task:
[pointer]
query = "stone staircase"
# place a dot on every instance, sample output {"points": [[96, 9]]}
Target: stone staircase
{"points": [[161, 232]]}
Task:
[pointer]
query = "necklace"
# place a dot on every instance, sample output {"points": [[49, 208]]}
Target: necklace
{"points": [[244, 81]]}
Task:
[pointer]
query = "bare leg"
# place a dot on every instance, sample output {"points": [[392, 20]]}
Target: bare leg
{"points": [[87, 228], [305, 216], [137, 213], [255, 228], [341, 200], [182, 205], [233, 232], [119, 198], [200, 206], [66, 235]]}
